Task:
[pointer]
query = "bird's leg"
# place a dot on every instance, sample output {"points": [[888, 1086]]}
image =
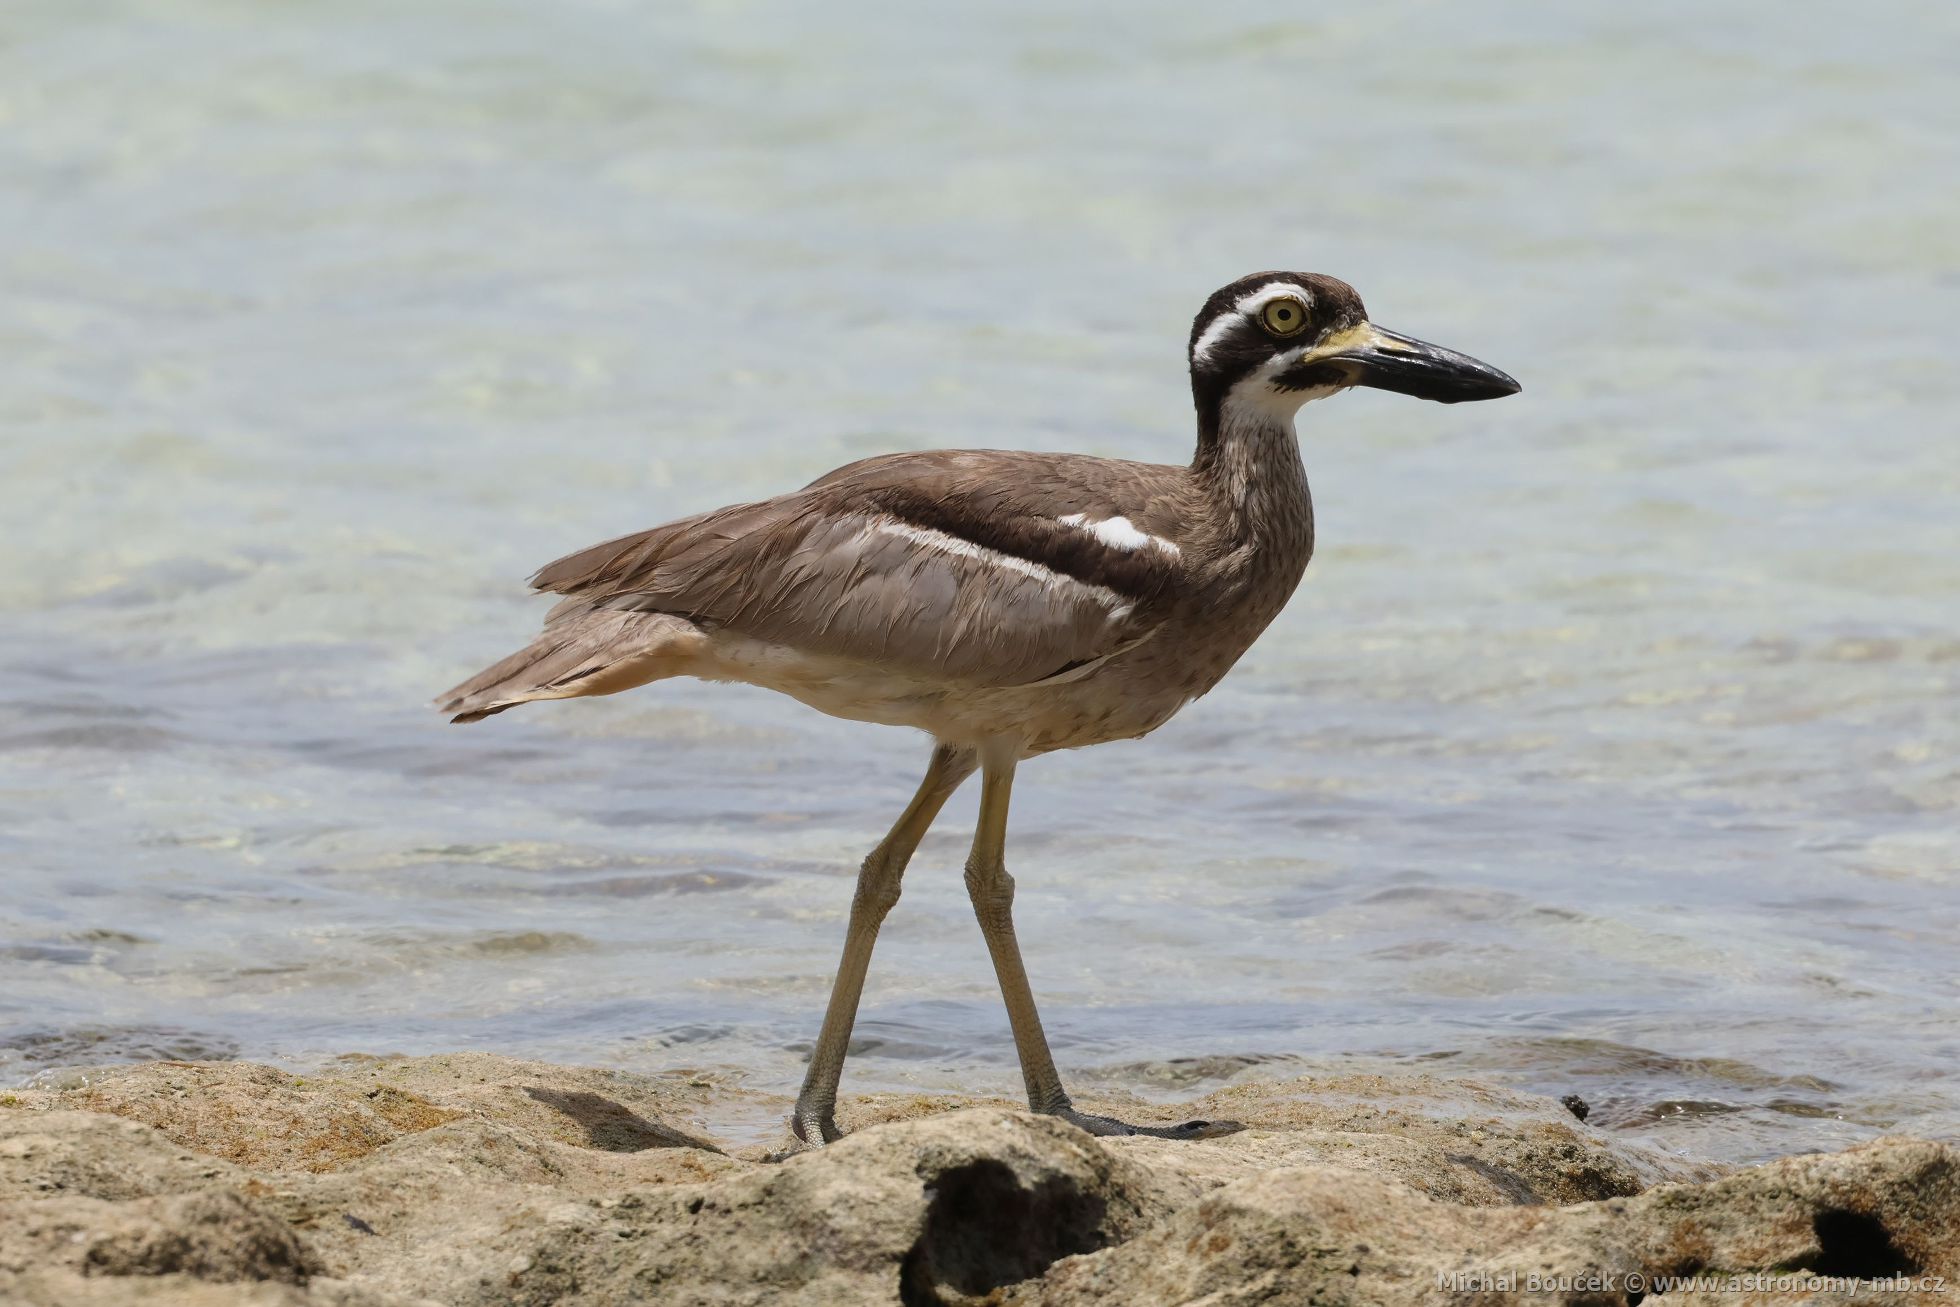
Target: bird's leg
{"points": [[992, 890], [877, 890]]}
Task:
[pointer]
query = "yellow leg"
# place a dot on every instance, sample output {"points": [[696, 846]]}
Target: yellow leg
{"points": [[992, 891], [877, 890]]}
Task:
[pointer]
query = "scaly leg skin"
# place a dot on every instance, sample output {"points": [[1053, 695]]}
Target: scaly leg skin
{"points": [[992, 891], [815, 1120]]}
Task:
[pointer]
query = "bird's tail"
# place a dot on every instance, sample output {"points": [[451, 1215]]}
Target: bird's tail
{"points": [[586, 651]]}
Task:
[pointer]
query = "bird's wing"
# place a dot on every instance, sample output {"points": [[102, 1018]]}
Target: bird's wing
{"points": [[982, 568]]}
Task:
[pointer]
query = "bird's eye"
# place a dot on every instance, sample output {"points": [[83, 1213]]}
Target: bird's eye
{"points": [[1286, 317]]}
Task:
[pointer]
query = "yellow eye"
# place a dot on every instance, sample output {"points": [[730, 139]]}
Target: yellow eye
{"points": [[1285, 317]]}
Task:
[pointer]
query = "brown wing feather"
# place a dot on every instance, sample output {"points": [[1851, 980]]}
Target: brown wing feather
{"points": [[899, 561]]}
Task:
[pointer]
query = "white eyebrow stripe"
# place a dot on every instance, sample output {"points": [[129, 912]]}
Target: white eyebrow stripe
{"points": [[1249, 303], [1253, 301], [1120, 533]]}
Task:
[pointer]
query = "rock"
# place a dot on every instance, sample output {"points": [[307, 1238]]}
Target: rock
{"points": [[211, 1245], [211, 1234], [65, 1289], [470, 1179], [944, 1209], [1886, 1209], [274, 1120]]}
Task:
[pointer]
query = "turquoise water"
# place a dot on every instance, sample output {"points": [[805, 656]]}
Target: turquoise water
{"points": [[1609, 748]]}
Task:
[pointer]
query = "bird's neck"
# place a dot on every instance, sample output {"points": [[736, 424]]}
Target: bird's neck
{"points": [[1248, 463]]}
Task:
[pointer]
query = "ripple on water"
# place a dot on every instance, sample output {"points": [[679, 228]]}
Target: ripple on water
{"points": [[91, 1045], [1621, 712], [1187, 1074], [104, 737], [639, 887], [491, 945], [77, 948]]}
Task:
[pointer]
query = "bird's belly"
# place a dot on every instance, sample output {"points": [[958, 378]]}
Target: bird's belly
{"points": [[1095, 710], [1130, 696], [1142, 688], [840, 687], [1106, 705]]}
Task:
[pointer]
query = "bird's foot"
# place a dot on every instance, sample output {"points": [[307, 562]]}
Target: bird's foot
{"points": [[1109, 1125], [814, 1128]]}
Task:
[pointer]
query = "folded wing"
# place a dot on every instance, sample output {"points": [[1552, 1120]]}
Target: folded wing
{"points": [[978, 568]]}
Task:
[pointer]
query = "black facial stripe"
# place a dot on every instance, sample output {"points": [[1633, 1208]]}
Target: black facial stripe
{"points": [[1312, 376]]}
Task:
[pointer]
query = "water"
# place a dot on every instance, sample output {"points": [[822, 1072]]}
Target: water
{"points": [[1610, 747]]}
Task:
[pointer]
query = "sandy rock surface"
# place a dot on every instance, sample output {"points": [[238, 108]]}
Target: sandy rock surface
{"points": [[472, 1179]]}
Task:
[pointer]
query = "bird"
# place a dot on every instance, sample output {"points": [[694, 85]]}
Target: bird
{"points": [[1008, 604]]}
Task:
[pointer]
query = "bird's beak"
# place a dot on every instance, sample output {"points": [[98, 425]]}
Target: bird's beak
{"points": [[1387, 360]]}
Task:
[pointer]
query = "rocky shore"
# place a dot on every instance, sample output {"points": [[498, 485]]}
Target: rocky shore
{"points": [[476, 1180]]}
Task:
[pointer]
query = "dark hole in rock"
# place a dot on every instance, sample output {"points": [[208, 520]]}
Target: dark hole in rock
{"points": [[985, 1229], [1852, 1244]]}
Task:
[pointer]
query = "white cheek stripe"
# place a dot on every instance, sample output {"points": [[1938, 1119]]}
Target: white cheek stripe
{"points": [[1279, 363], [1256, 396], [1249, 303], [1120, 533], [952, 544]]}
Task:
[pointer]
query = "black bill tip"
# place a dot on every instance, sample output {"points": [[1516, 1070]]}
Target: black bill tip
{"points": [[1388, 360]]}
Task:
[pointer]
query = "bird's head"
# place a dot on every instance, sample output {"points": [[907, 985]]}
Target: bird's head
{"points": [[1274, 340]]}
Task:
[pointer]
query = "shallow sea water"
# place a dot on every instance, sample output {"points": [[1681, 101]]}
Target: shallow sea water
{"points": [[1610, 747]]}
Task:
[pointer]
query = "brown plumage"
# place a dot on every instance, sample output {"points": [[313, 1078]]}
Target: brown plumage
{"points": [[1007, 603]]}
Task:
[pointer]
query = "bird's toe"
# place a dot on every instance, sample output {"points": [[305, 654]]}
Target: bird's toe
{"points": [[1109, 1126]]}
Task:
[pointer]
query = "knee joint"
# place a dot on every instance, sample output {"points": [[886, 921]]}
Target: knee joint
{"points": [[877, 891], [990, 885], [874, 902]]}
